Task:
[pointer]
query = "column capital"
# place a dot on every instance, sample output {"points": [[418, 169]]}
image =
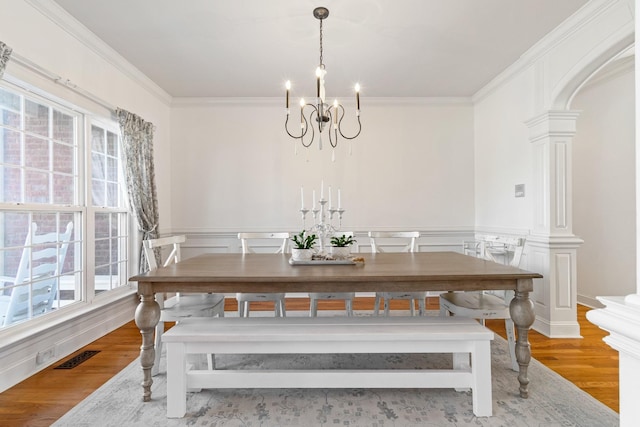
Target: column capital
{"points": [[552, 123]]}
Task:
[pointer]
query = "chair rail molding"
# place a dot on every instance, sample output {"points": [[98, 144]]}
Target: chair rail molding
{"points": [[553, 246]]}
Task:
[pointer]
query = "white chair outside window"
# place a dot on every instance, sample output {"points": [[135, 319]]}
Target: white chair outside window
{"points": [[180, 306], [249, 243], [347, 297], [35, 286], [387, 241], [489, 304]]}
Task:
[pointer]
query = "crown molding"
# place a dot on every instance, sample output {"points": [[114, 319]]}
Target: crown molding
{"points": [[180, 102], [56, 14], [585, 15]]}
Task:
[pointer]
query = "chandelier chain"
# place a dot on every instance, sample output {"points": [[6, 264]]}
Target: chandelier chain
{"points": [[321, 64]]}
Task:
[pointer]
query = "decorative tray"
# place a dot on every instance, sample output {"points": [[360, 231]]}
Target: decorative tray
{"points": [[323, 262]]}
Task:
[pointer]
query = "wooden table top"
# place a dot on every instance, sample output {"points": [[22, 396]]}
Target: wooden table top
{"points": [[419, 271]]}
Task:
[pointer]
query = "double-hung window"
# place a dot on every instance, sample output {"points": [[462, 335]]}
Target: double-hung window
{"points": [[63, 224]]}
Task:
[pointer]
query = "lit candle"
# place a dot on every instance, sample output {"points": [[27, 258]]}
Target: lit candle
{"points": [[339, 200], [322, 189], [335, 112], [358, 96], [287, 85], [301, 197]]}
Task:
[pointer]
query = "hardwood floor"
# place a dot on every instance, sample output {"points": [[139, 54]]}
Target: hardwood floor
{"points": [[43, 398]]}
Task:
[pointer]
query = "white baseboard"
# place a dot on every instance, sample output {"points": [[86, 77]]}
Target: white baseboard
{"points": [[25, 358]]}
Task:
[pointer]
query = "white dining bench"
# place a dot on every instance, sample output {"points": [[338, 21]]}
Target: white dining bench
{"points": [[290, 335]]}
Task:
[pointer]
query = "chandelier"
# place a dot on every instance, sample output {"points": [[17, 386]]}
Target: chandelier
{"points": [[321, 115]]}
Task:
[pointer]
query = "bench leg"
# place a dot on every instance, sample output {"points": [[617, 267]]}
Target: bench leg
{"points": [[176, 380], [461, 363], [348, 305], [313, 308], [481, 369]]}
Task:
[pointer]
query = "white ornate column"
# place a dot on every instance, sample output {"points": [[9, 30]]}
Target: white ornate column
{"points": [[552, 244]]}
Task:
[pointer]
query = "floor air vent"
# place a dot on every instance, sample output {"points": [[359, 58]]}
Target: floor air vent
{"points": [[78, 359]]}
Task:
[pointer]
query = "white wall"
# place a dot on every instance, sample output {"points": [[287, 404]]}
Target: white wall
{"points": [[503, 157], [235, 168], [604, 187]]}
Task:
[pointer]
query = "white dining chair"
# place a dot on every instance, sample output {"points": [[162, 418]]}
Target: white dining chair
{"points": [[251, 244], [484, 305], [180, 306], [347, 297], [397, 241]]}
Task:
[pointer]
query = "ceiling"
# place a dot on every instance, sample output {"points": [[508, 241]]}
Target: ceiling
{"points": [[249, 48]]}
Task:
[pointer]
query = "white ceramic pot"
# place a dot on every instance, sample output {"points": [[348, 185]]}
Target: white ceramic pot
{"points": [[301, 254], [340, 252]]}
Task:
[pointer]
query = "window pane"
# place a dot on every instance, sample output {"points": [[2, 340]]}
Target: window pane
{"points": [[102, 225], [63, 189], [97, 139], [112, 169], [11, 153], [112, 195], [63, 127], [102, 256], [98, 166], [36, 153], [36, 118], [63, 158], [9, 109], [36, 187], [112, 144], [12, 185], [98, 195]]}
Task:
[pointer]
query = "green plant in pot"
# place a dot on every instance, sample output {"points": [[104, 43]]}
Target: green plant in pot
{"points": [[341, 246], [303, 244]]}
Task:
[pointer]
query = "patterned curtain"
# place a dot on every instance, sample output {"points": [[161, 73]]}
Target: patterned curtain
{"points": [[5, 53], [137, 143]]}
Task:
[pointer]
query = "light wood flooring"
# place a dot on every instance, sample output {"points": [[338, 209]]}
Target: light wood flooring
{"points": [[43, 398]]}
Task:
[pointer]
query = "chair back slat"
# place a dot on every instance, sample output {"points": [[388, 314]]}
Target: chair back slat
{"points": [[408, 238], [150, 247], [249, 242]]}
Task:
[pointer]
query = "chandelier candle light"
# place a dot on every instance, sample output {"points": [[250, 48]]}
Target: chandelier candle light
{"points": [[322, 113], [323, 228]]}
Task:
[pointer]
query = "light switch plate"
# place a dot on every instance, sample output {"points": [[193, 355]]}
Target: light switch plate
{"points": [[519, 190]]}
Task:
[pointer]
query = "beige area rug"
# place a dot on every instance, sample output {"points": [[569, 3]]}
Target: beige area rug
{"points": [[553, 401]]}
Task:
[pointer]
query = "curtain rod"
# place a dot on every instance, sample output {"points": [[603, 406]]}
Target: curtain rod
{"points": [[60, 80]]}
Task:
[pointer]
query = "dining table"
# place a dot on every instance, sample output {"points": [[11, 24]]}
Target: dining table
{"points": [[230, 273]]}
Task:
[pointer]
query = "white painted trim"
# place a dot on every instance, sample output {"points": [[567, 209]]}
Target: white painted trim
{"points": [[590, 302], [617, 68], [556, 329], [590, 11], [18, 357], [194, 102], [233, 232], [72, 26]]}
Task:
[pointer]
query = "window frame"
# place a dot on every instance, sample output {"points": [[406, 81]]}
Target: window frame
{"points": [[83, 209]]}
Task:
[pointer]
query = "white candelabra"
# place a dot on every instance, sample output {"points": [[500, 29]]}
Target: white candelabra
{"points": [[322, 216]]}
